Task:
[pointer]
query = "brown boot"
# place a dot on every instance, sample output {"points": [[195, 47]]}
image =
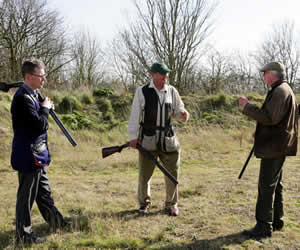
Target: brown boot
{"points": [[172, 211]]}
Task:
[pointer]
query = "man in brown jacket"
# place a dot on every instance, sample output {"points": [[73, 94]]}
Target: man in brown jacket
{"points": [[274, 139]]}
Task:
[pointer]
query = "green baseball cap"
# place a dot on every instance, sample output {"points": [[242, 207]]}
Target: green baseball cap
{"points": [[159, 67], [276, 66]]}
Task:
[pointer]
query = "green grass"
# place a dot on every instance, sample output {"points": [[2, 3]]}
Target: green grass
{"points": [[99, 195]]}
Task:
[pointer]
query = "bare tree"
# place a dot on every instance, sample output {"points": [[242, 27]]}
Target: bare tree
{"points": [[28, 28], [171, 31], [281, 44], [87, 67]]}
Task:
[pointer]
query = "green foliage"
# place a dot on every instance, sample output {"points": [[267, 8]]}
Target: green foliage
{"points": [[104, 105], [122, 105], [77, 121], [210, 117], [218, 101], [103, 92], [5, 97], [68, 104], [86, 99], [108, 116], [255, 97]]}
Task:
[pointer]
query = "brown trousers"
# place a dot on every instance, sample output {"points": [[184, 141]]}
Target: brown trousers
{"points": [[171, 162]]}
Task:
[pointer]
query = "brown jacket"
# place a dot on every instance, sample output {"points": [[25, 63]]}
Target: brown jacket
{"points": [[276, 132]]}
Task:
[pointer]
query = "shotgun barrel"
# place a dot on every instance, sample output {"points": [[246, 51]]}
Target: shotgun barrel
{"points": [[59, 122], [246, 163], [7, 86]]}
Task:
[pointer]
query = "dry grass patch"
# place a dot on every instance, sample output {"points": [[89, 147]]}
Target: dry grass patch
{"points": [[99, 196]]}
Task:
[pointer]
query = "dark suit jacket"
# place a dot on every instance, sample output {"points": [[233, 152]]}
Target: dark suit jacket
{"points": [[30, 123]]}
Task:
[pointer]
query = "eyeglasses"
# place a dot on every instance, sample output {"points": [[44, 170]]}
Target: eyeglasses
{"points": [[40, 76]]}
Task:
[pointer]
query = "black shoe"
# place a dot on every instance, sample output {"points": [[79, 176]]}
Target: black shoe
{"points": [[258, 232], [30, 239], [278, 225]]}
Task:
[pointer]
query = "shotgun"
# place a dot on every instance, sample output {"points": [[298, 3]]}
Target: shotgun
{"points": [[7, 86], [111, 150]]}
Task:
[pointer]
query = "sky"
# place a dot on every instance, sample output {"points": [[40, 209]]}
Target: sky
{"points": [[239, 24]]}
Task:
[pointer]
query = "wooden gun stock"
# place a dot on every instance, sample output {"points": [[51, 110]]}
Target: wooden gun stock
{"points": [[111, 150]]}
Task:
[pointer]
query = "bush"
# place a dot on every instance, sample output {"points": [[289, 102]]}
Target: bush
{"points": [[216, 102], [68, 104], [5, 97], [255, 97], [103, 92], [86, 99], [76, 121], [104, 105], [108, 116]]}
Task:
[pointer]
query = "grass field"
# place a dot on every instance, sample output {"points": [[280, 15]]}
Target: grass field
{"points": [[99, 195]]}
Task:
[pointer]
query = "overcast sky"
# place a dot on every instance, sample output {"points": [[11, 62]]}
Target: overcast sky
{"points": [[240, 24]]}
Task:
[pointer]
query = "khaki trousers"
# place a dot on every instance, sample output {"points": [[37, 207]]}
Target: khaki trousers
{"points": [[171, 162]]}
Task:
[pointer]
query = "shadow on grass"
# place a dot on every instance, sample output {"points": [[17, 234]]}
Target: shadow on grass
{"points": [[79, 223], [134, 214], [220, 242]]}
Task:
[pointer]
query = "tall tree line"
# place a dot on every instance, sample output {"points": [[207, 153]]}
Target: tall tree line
{"points": [[173, 31]]}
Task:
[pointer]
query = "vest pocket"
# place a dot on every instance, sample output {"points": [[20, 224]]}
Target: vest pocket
{"points": [[149, 142], [172, 143]]}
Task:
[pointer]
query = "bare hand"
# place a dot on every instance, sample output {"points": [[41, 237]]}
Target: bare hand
{"points": [[185, 116], [133, 143], [47, 103], [243, 101]]}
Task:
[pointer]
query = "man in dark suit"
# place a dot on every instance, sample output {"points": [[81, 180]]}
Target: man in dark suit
{"points": [[30, 155]]}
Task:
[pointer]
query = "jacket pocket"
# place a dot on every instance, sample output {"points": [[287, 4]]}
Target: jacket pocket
{"points": [[172, 143], [40, 152], [149, 142]]}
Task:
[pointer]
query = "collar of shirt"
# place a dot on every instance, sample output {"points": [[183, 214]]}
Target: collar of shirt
{"points": [[163, 90]]}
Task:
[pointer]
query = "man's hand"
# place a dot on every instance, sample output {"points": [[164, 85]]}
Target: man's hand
{"points": [[47, 103], [185, 116], [243, 101], [133, 143]]}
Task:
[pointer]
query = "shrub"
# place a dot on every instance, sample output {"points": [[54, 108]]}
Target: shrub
{"points": [[108, 116], [103, 92], [104, 105], [5, 97], [77, 121], [68, 104], [255, 97], [86, 99]]}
